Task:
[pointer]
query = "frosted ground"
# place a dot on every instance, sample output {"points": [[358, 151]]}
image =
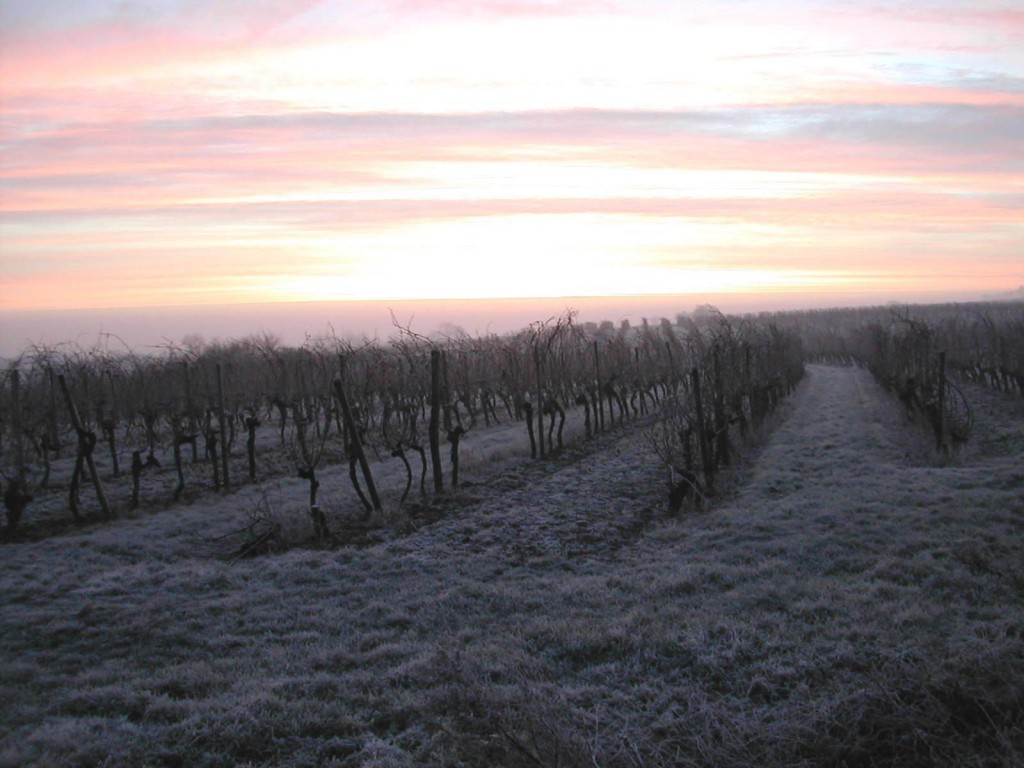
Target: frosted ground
{"points": [[851, 600]]}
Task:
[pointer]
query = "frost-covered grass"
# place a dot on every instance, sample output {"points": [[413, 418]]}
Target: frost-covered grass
{"points": [[852, 601]]}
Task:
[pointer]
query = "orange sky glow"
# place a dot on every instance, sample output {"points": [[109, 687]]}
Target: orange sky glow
{"points": [[173, 152]]}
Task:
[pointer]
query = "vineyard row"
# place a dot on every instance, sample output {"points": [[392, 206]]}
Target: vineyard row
{"points": [[194, 418], [333, 402]]}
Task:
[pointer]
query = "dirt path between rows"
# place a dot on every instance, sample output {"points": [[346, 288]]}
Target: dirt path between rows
{"points": [[844, 442], [846, 480], [847, 445], [842, 460]]}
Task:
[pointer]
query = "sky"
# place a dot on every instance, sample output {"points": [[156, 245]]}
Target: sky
{"points": [[211, 152]]}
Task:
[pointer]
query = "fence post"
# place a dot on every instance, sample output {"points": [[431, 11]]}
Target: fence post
{"points": [[51, 416], [345, 437], [940, 422], [19, 442], [540, 400], [702, 434], [434, 427], [222, 419], [108, 422], [722, 447], [190, 411]]}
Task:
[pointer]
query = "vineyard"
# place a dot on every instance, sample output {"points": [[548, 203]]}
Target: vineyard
{"points": [[169, 426], [147, 431], [786, 540], [923, 356]]}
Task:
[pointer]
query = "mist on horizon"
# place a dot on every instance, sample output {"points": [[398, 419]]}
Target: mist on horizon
{"points": [[153, 328]]}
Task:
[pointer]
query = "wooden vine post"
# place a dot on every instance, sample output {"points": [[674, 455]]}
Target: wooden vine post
{"points": [[108, 421], [16, 499], [673, 373], [540, 400], [51, 416], [940, 417], [345, 436], [600, 390], [190, 412], [528, 413], [19, 440], [454, 438], [251, 423], [702, 434], [357, 444], [639, 383], [86, 444], [722, 448], [434, 426], [222, 423], [446, 395], [177, 441], [137, 467]]}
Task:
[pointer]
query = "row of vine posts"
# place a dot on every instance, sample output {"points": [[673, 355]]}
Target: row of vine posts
{"points": [[335, 400], [919, 354]]}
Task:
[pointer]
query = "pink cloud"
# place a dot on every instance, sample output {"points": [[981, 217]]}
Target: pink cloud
{"points": [[904, 210], [110, 142], [367, 139], [502, 8], [115, 47]]}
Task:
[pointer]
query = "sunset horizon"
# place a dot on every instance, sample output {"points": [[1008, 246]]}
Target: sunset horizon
{"points": [[433, 383], [294, 323], [178, 154]]}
